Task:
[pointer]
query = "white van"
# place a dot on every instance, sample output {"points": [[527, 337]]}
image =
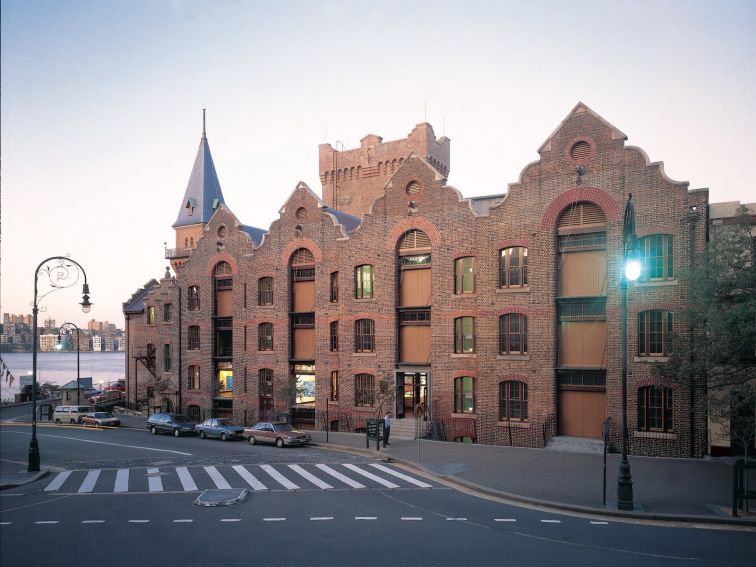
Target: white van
{"points": [[70, 414]]}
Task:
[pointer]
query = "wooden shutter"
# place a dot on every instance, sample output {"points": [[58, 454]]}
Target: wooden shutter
{"points": [[581, 216], [582, 274], [414, 344], [224, 303], [304, 297], [415, 288], [304, 344], [582, 344]]}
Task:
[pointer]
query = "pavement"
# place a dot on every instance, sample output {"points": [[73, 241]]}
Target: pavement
{"points": [[664, 489]]}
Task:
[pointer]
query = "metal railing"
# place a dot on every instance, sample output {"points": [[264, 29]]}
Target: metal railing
{"points": [[171, 253]]}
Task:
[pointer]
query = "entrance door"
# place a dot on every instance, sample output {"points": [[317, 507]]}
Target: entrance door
{"points": [[411, 389], [581, 413]]}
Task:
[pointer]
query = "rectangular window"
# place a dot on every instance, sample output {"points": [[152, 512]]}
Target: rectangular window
{"points": [[265, 387], [655, 409], [167, 358], [464, 335], [364, 385], [334, 344], [363, 288], [194, 337], [167, 313], [265, 291], [265, 336], [657, 257], [193, 298], [582, 309], [334, 287], [464, 400], [513, 267], [583, 241], [364, 335], [513, 401], [334, 393], [194, 377], [513, 334], [151, 315], [464, 275], [655, 333]]}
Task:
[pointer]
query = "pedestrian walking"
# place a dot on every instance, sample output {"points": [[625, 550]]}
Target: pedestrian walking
{"points": [[386, 428]]}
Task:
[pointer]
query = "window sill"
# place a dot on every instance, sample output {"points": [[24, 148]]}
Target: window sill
{"points": [[650, 359], [655, 435], [655, 283], [458, 295], [465, 415], [361, 299], [524, 289], [463, 355], [364, 354], [514, 424], [332, 352], [264, 352], [266, 306], [333, 402], [513, 357]]}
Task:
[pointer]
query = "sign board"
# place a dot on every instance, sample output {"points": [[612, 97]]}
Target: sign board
{"points": [[373, 431]]}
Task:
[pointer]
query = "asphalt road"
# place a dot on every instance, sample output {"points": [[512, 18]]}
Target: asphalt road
{"points": [[94, 510]]}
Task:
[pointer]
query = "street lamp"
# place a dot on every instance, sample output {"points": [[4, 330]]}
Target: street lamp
{"points": [[61, 272], [632, 271], [78, 372]]}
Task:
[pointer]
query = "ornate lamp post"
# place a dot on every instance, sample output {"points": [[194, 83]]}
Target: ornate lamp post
{"points": [[78, 372], [632, 270], [61, 272]]}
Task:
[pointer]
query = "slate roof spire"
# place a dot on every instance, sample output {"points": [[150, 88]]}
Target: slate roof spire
{"points": [[203, 192]]}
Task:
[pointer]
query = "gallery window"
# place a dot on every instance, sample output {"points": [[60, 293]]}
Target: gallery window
{"points": [[265, 336], [364, 335], [167, 358], [657, 257], [363, 390], [363, 286], [513, 334], [464, 275], [193, 298], [194, 337], [194, 377], [265, 291], [655, 333], [334, 336]]}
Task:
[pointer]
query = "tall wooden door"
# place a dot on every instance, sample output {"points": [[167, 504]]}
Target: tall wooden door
{"points": [[581, 413]]}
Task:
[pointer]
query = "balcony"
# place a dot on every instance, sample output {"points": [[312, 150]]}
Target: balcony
{"points": [[175, 253]]}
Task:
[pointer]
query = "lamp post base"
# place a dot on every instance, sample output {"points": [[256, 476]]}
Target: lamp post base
{"points": [[33, 456], [624, 487]]}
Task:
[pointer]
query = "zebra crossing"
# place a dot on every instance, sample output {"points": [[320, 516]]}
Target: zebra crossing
{"points": [[280, 477]]}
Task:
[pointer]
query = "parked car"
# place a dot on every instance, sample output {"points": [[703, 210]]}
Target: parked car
{"points": [[70, 414], [169, 423], [279, 433], [106, 396], [221, 428], [101, 419]]}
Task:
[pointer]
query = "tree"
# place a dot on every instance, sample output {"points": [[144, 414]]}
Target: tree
{"points": [[717, 354]]}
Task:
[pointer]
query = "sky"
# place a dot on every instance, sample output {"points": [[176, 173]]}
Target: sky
{"points": [[102, 102]]}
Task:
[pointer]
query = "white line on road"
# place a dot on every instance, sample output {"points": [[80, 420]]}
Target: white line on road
{"points": [[397, 474], [182, 521], [47, 522], [279, 477], [371, 476], [274, 519], [217, 477], [58, 481], [410, 519], [187, 482], [343, 478], [457, 519], [116, 444], [551, 521], [321, 518], [366, 517], [5, 523], [89, 481], [139, 521], [504, 520], [249, 478], [155, 483], [93, 521], [230, 519], [311, 477], [122, 481], [599, 523]]}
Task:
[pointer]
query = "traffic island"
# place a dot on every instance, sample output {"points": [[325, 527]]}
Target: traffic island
{"points": [[221, 496]]}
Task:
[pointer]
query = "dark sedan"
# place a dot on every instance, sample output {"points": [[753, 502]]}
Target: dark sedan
{"points": [[220, 428], [280, 434]]}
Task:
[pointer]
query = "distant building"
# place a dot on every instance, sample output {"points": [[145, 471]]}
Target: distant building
{"points": [[108, 344], [96, 343], [120, 344], [48, 342], [9, 328]]}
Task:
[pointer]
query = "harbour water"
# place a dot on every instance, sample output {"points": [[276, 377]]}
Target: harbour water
{"points": [[60, 368]]}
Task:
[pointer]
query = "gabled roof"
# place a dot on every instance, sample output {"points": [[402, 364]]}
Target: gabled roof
{"points": [[203, 192], [135, 304], [256, 234], [349, 222], [83, 382], [581, 108]]}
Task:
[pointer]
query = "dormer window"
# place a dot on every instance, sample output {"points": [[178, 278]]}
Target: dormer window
{"points": [[191, 204]]}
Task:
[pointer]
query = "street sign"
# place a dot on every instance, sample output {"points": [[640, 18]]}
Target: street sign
{"points": [[373, 430]]}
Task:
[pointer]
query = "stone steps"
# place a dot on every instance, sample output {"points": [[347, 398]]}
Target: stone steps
{"points": [[404, 428], [576, 445]]}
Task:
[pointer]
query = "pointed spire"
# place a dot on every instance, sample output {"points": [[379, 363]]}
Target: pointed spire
{"points": [[203, 192]]}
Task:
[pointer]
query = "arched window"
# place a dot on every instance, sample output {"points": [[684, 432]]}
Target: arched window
{"points": [[657, 257], [194, 377], [194, 337], [364, 335], [513, 267], [464, 275], [513, 401], [265, 291], [193, 298], [363, 281], [265, 336], [513, 334], [464, 335], [655, 333], [364, 385], [655, 409], [464, 394]]}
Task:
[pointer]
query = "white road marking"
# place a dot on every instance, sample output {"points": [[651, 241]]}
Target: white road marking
{"points": [[504, 520], [321, 518], [93, 521], [122, 481], [551, 521], [230, 519], [154, 483], [47, 522], [457, 519], [89, 481], [5, 523], [182, 521], [410, 519], [187, 482], [58, 481], [139, 521], [371, 476], [117, 444], [343, 478], [249, 478], [366, 517], [217, 477], [397, 474], [312, 478], [279, 477], [599, 523], [274, 519]]}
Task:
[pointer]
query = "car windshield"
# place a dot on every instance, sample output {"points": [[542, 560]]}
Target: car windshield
{"points": [[223, 422], [282, 427], [101, 414]]}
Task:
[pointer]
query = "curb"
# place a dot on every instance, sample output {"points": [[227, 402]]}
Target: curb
{"points": [[519, 499], [11, 482]]}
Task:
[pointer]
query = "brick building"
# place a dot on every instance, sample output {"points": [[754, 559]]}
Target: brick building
{"points": [[495, 317]]}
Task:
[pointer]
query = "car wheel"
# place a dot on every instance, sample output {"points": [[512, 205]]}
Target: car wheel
{"points": [[57, 421], [224, 437], [153, 430], [203, 435], [176, 433], [73, 422], [279, 443], [252, 440]]}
